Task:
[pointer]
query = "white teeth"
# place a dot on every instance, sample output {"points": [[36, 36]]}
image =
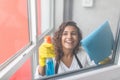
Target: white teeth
{"points": [[69, 42]]}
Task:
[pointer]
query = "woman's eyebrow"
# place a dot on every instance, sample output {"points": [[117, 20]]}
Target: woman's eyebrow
{"points": [[69, 31], [65, 31]]}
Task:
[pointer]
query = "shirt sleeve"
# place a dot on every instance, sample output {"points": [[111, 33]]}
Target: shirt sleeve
{"points": [[85, 59], [37, 75], [89, 62]]}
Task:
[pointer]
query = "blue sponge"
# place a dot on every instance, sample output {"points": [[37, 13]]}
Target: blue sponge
{"points": [[99, 43]]}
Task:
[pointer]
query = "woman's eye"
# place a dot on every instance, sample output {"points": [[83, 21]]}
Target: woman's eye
{"points": [[74, 33], [64, 34]]}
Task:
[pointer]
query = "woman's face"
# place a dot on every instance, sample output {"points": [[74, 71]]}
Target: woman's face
{"points": [[69, 38]]}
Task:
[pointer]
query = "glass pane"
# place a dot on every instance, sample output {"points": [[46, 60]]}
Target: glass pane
{"points": [[24, 73], [14, 33], [43, 15], [72, 10], [39, 16]]}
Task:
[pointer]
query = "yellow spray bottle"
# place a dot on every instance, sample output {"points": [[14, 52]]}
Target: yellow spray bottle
{"points": [[46, 55]]}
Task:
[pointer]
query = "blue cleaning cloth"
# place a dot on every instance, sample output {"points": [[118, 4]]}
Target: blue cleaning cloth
{"points": [[99, 43]]}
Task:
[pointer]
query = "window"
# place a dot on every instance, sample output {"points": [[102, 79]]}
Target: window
{"points": [[23, 28], [71, 10], [45, 25], [17, 38], [24, 72], [13, 28]]}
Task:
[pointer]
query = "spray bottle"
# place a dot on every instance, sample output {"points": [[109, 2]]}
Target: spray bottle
{"points": [[49, 68]]}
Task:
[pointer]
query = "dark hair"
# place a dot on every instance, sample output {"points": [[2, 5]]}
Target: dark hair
{"points": [[57, 39]]}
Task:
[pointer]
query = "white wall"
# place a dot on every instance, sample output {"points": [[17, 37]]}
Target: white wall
{"points": [[90, 18]]}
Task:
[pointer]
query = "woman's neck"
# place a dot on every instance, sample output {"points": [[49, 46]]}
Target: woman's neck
{"points": [[67, 53], [67, 58]]}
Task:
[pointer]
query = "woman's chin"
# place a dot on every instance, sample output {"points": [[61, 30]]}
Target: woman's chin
{"points": [[69, 47]]}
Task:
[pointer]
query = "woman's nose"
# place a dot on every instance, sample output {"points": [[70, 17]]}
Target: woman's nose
{"points": [[69, 36]]}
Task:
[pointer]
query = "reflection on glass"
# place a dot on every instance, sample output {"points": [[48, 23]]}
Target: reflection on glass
{"points": [[13, 27]]}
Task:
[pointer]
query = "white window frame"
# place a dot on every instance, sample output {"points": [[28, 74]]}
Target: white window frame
{"points": [[10, 67], [47, 28]]}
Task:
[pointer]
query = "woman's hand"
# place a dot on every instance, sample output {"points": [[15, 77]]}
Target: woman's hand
{"points": [[46, 50]]}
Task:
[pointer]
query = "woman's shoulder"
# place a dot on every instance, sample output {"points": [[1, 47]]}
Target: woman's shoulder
{"points": [[82, 52], [84, 57]]}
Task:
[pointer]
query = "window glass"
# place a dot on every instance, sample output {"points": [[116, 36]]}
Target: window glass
{"points": [[14, 34], [44, 20], [43, 15], [69, 10], [39, 16], [24, 72]]}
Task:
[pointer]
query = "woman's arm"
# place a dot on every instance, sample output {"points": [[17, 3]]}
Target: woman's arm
{"points": [[41, 70]]}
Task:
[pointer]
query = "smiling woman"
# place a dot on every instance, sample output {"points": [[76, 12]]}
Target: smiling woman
{"points": [[69, 54], [67, 47]]}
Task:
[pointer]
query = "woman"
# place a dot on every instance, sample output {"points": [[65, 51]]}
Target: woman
{"points": [[68, 51]]}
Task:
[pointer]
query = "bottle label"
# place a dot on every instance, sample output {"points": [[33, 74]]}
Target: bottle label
{"points": [[49, 67]]}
